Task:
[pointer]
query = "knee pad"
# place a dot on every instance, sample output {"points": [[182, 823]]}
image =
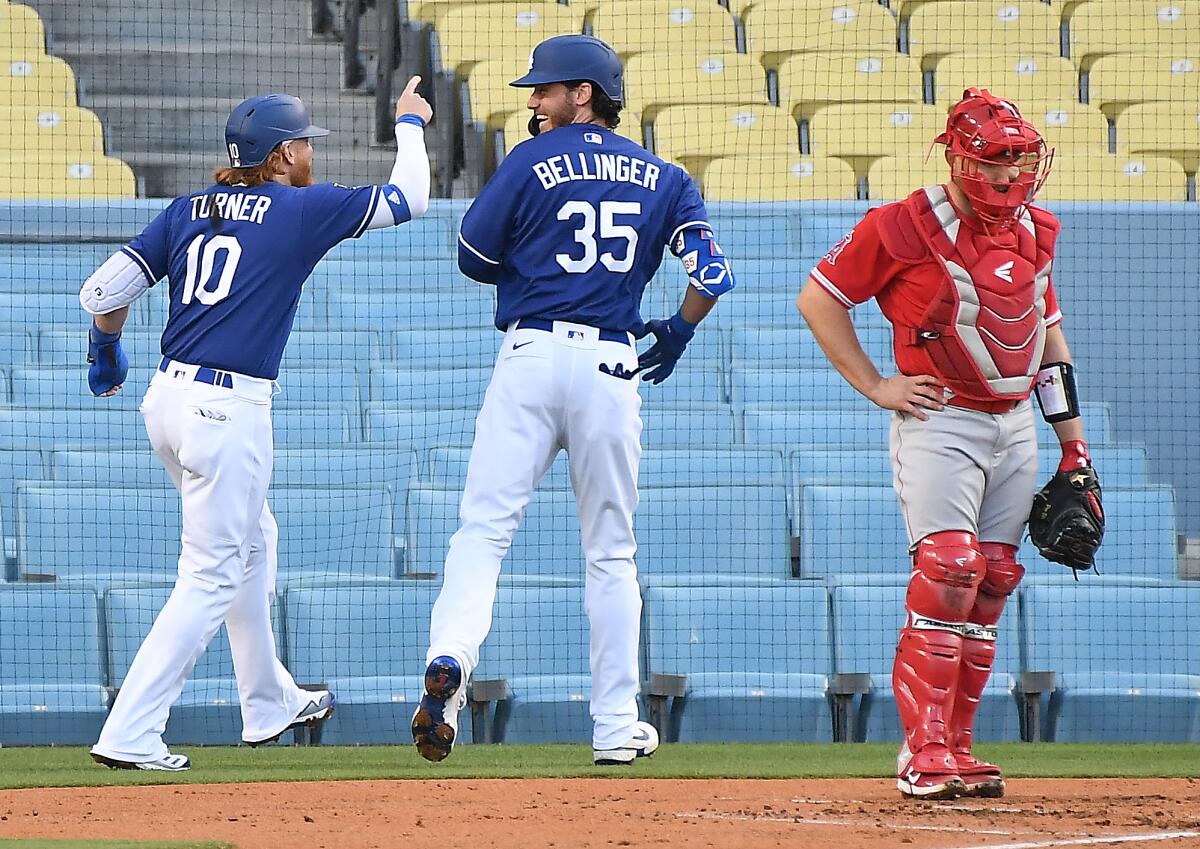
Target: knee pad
{"points": [[948, 567], [1001, 577]]}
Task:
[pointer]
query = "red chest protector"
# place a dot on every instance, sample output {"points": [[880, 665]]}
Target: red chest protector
{"points": [[985, 330]]}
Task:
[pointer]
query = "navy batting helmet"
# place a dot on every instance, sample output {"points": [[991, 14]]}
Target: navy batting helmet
{"points": [[257, 125], [575, 57]]}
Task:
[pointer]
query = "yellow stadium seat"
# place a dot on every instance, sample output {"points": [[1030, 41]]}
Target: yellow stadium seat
{"points": [[811, 80], [777, 28], [778, 178], [1163, 129], [432, 11], [667, 26], [1068, 125], [21, 29], [1003, 27], [516, 129], [1117, 81], [1115, 178], [53, 177], [896, 177], [689, 133], [64, 129], [30, 79], [1165, 27], [874, 129], [489, 94], [657, 80], [1018, 78], [469, 34]]}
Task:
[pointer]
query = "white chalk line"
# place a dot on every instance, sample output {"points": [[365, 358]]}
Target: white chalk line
{"points": [[1105, 840], [998, 809], [712, 815]]}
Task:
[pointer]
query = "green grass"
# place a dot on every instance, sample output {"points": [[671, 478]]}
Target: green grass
{"points": [[104, 844], [70, 767]]}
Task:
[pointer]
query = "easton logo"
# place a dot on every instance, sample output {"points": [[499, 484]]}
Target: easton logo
{"points": [[1004, 272]]}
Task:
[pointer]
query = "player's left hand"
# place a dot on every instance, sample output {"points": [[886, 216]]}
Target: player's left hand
{"points": [[109, 365], [671, 337]]}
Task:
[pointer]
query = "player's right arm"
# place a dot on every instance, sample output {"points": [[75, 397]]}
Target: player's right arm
{"points": [[835, 286], [486, 229]]}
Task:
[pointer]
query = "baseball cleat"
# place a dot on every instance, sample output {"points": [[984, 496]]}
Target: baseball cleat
{"points": [[435, 723], [983, 780], [929, 774], [320, 707], [642, 744], [167, 763]]}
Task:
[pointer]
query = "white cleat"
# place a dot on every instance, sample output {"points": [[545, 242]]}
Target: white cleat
{"points": [[319, 708], [168, 763], [642, 744]]}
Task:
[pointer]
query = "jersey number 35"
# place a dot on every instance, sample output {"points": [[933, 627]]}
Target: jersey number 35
{"points": [[585, 235]]}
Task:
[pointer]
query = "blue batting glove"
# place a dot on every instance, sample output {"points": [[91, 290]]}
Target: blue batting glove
{"points": [[671, 337], [109, 363]]}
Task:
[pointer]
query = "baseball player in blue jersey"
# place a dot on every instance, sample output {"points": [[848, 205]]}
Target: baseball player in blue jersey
{"points": [[570, 229], [236, 255]]}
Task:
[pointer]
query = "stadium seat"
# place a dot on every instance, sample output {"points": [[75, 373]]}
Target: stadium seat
{"points": [[1140, 533], [1014, 76], [419, 429], [874, 129], [776, 29], [684, 133], [761, 654], [21, 30], [860, 428], [1071, 127], [67, 348], [367, 311], [68, 387], [779, 347], [1119, 81], [65, 176], [672, 427], [17, 348], [656, 80], [89, 533], [795, 389], [52, 672], [31, 78], [699, 382], [427, 237], [539, 645], [1140, 684], [1115, 179], [63, 130], [474, 347], [425, 387], [897, 177], [208, 711], [1163, 129], [682, 27], [431, 11], [366, 642], [1135, 26], [16, 465], [811, 80], [866, 626], [990, 27], [493, 31], [490, 97], [132, 468], [42, 428], [516, 129], [779, 178], [32, 309]]}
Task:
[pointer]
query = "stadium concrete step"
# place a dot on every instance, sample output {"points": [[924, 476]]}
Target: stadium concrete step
{"points": [[157, 68]]}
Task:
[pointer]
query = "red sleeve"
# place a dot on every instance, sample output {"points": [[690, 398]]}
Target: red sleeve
{"points": [[858, 267], [1053, 312]]}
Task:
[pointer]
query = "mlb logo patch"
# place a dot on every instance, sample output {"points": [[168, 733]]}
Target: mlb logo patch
{"points": [[593, 138], [574, 334]]}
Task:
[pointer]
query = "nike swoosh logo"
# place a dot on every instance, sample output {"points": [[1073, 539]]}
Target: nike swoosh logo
{"points": [[522, 344]]}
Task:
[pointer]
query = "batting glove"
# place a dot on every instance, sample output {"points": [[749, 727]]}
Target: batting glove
{"points": [[109, 365], [671, 337]]}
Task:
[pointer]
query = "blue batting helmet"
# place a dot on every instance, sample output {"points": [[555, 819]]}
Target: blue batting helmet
{"points": [[575, 57], [257, 125]]}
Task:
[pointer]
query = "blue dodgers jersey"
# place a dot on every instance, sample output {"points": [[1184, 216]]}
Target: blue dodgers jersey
{"points": [[576, 220], [235, 287]]}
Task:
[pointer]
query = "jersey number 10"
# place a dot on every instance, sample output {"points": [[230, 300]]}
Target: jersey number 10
{"points": [[201, 258], [585, 235]]}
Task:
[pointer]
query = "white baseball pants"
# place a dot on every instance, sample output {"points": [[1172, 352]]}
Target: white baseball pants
{"points": [[547, 393], [217, 446]]}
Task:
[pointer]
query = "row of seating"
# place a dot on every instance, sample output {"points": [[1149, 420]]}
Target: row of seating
{"points": [[766, 654]]}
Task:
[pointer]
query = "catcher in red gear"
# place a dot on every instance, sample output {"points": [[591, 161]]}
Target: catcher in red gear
{"points": [[963, 271]]}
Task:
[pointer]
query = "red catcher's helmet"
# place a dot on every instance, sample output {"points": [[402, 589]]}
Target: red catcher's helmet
{"points": [[985, 129]]}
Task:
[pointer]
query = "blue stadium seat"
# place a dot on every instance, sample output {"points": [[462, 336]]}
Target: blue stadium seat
{"points": [[427, 387], [96, 425], [776, 275], [775, 232], [787, 347], [58, 267], [52, 673], [419, 429], [367, 642], [68, 388], [208, 711], [308, 386], [694, 381], [313, 424], [432, 236], [95, 533], [16, 465], [420, 309], [858, 428], [129, 468], [30, 309], [1127, 659], [764, 310], [470, 347], [859, 530], [795, 389], [742, 650], [67, 346], [344, 348], [346, 272], [866, 626], [539, 644], [664, 426], [17, 347]]}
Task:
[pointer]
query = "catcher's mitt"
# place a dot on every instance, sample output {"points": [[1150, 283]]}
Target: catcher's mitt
{"points": [[1067, 521]]}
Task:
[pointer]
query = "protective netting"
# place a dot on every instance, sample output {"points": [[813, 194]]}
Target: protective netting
{"points": [[771, 553]]}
